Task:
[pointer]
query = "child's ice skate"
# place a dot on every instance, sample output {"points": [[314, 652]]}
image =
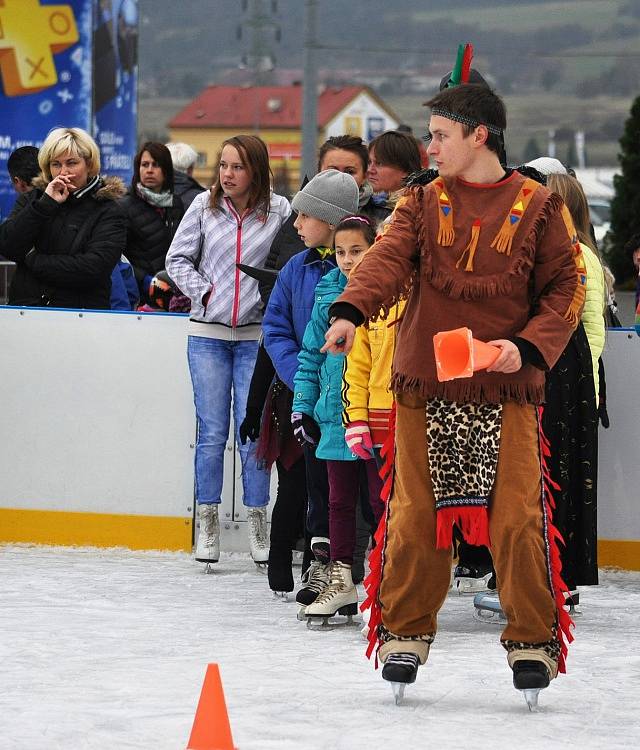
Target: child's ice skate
{"points": [[471, 580], [487, 608], [340, 597], [316, 577]]}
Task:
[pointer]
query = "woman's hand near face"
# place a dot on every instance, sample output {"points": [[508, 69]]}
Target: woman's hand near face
{"points": [[58, 188]]}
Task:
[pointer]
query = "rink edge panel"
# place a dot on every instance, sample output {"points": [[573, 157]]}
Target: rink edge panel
{"points": [[95, 529], [619, 553]]}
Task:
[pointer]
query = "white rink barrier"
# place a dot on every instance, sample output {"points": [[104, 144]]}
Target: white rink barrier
{"points": [[619, 457], [97, 429]]}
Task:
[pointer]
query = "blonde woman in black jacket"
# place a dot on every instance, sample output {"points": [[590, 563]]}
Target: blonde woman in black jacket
{"points": [[67, 234]]}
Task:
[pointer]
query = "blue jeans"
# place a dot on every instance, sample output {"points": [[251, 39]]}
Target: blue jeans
{"points": [[216, 366]]}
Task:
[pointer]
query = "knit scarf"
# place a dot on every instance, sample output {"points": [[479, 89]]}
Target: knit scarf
{"points": [[463, 445], [365, 193], [160, 200]]}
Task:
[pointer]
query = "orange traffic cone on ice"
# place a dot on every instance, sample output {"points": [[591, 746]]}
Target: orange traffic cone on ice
{"points": [[211, 729], [459, 355]]}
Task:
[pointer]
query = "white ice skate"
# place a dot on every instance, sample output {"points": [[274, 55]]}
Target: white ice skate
{"points": [[339, 597], [470, 580], [315, 580], [487, 608], [208, 545], [258, 539]]}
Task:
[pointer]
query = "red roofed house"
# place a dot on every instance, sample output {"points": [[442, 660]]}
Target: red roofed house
{"points": [[275, 113]]}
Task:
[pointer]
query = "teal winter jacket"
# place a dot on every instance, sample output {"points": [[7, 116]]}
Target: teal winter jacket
{"points": [[318, 380]]}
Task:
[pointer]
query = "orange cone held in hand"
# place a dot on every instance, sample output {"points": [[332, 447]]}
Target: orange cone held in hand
{"points": [[211, 729], [459, 355]]}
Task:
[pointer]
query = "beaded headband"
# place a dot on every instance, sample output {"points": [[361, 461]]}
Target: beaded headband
{"points": [[363, 219], [465, 120]]}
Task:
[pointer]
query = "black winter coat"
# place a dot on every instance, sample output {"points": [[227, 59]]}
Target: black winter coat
{"points": [[186, 188], [149, 234], [65, 252]]}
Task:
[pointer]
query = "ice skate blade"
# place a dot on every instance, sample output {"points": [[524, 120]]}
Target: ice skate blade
{"points": [[324, 622], [531, 696], [281, 596], [573, 610], [398, 691], [208, 566], [490, 616]]}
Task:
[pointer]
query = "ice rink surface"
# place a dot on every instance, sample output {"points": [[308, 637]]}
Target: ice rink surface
{"points": [[107, 650]]}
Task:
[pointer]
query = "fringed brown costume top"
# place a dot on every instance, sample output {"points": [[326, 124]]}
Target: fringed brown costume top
{"points": [[499, 259]]}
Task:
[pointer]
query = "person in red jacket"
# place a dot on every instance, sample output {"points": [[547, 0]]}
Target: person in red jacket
{"points": [[484, 247]]}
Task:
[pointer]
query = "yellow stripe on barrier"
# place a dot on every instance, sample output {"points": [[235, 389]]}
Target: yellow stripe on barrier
{"points": [[616, 553], [95, 529]]}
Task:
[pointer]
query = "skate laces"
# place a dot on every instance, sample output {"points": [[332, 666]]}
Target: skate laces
{"points": [[317, 577], [209, 525], [258, 529], [404, 658], [336, 584]]}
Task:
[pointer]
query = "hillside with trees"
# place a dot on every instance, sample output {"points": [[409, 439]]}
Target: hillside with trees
{"points": [[564, 65]]}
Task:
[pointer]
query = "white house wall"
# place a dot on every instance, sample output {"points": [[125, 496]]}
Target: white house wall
{"points": [[363, 117]]}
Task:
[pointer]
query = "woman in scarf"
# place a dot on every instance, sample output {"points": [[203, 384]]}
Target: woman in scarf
{"points": [[153, 213]]}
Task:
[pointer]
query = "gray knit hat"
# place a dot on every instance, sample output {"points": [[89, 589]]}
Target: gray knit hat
{"points": [[330, 196]]}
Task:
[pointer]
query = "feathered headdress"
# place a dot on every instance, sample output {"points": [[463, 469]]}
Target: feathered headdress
{"points": [[462, 68]]}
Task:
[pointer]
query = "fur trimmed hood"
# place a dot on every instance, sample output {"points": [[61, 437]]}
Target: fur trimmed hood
{"points": [[111, 189]]}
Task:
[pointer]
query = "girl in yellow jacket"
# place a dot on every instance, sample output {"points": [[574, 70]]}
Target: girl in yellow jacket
{"points": [[367, 399], [366, 395]]}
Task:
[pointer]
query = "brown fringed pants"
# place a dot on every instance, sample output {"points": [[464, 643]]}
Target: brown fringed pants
{"points": [[416, 576]]}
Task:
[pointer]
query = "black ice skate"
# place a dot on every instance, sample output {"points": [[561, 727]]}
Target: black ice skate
{"points": [[572, 603], [400, 669], [316, 577], [530, 676]]}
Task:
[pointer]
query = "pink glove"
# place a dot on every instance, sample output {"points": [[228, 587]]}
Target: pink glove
{"points": [[358, 440]]}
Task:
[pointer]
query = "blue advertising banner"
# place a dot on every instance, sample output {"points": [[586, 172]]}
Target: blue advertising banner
{"points": [[51, 75], [115, 84]]}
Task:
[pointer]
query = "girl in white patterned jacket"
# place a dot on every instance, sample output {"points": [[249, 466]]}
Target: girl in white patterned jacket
{"points": [[235, 222]]}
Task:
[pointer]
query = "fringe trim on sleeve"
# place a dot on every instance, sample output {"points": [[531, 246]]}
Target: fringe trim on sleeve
{"points": [[574, 311], [552, 538]]}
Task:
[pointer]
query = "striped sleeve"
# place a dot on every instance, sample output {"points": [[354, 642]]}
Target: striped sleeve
{"points": [[183, 256]]}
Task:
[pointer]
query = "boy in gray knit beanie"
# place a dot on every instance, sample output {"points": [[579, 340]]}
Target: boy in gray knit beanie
{"points": [[322, 204]]}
